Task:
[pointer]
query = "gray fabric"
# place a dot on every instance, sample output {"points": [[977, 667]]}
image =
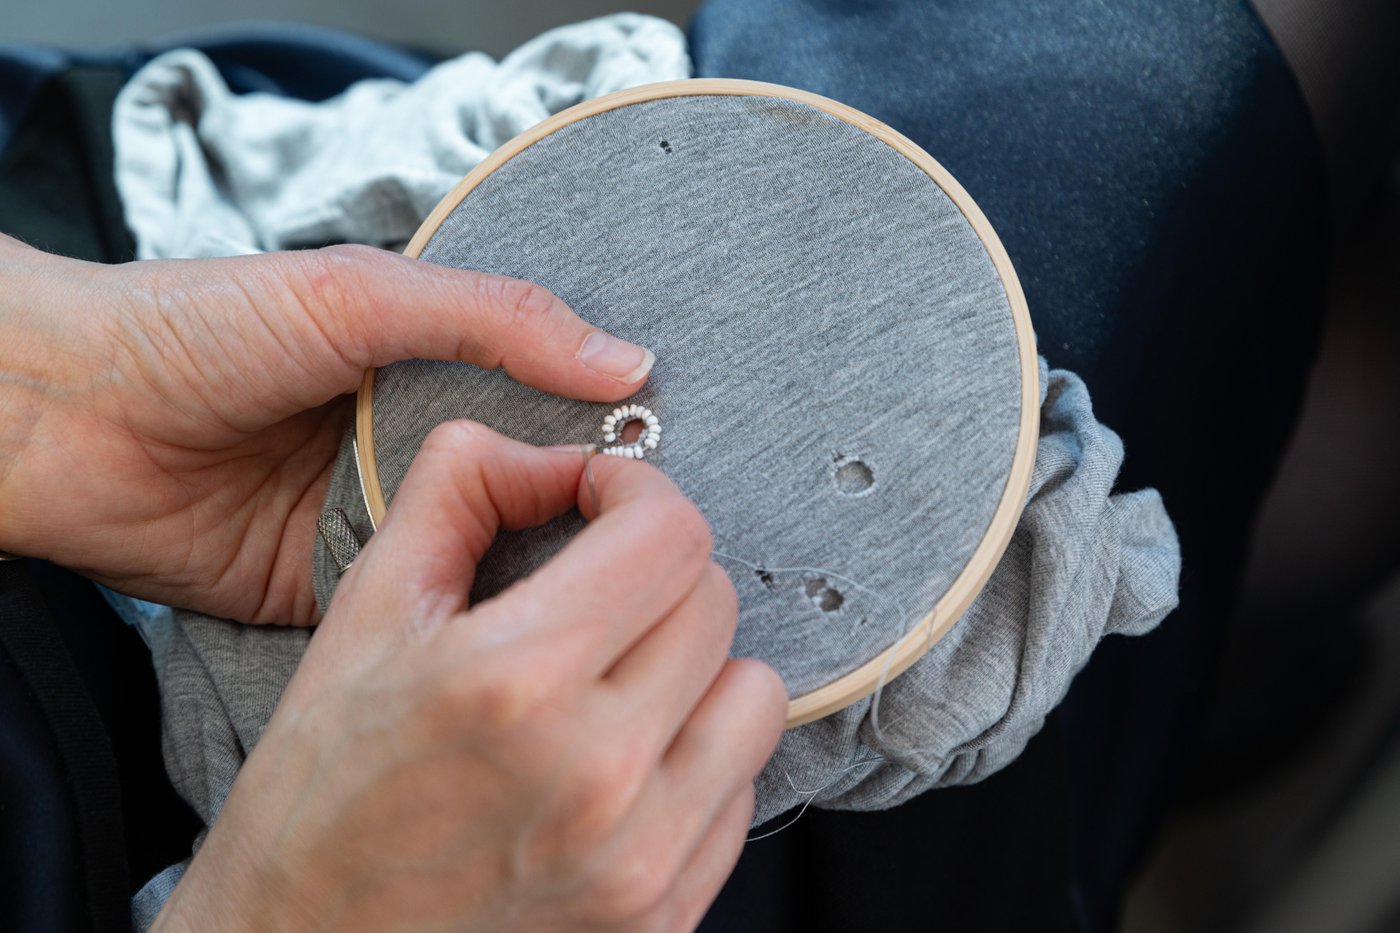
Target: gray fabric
{"points": [[146, 903], [204, 172], [774, 253]]}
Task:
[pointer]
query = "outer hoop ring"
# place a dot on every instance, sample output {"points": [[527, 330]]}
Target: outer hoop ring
{"points": [[895, 659]]}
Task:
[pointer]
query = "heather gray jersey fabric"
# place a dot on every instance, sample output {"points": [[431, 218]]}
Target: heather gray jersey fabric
{"points": [[814, 300]]}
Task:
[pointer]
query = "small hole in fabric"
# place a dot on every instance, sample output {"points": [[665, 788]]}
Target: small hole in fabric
{"points": [[666, 147], [854, 477], [632, 430], [825, 597], [766, 578]]}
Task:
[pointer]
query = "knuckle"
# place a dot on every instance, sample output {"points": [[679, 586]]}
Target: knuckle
{"points": [[349, 254], [452, 438], [325, 278], [328, 285], [527, 305], [633, 885], [594, 805], [687, 531], [495, 698]]}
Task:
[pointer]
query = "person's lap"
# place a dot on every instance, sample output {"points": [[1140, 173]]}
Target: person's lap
{"points": [[1155, 179]]}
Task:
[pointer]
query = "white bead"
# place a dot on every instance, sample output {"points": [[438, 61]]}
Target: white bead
{"points": [[614, 424]]}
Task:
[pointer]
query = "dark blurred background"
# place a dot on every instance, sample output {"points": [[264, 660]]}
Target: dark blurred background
{"points": [[1291, 818]]}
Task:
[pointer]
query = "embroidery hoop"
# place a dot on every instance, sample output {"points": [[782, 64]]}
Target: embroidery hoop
{"points": [[908, 648]]}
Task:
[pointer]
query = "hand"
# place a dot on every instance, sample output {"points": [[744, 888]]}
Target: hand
{"points": [[574, 754], [169, 428]]}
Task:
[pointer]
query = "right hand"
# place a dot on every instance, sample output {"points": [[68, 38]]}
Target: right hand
{"points": [[577, 753]]}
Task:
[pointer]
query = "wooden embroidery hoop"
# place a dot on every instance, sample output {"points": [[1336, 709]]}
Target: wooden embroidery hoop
{"points": [[888, 664]]}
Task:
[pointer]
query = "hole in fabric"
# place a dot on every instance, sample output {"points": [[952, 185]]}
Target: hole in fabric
{"points": [[824, 597], [853, 477], [766, 578], [632, 430], [666, 147]]}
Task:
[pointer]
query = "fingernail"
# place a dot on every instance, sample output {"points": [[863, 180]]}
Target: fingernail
{"points": [[574, 448], [614, 358]]}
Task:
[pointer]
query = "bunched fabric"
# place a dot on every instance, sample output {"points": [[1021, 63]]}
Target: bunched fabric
{"points": [[206, 172]]}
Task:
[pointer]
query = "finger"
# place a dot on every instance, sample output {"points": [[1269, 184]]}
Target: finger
{"points": [[716, 756], [711, 863], [728, 738], [637, 560], [331, 314], [641, 890], [656, 685], [466, 483]]}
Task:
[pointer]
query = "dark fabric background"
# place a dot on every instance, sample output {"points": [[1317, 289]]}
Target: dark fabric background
{"points": [[1158, 185]]}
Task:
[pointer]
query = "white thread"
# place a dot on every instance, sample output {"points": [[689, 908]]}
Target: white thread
{"points": [[906, 631], [811, 795]]}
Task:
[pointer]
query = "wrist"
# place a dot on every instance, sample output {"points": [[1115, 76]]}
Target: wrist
{"points": [[33, 347], [231, 894]]}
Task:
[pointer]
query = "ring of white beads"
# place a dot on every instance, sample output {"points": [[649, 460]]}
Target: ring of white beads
{"points": [[649, 439]]}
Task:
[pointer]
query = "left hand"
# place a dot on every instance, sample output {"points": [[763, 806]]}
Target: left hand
{"points": [[168, 428]]}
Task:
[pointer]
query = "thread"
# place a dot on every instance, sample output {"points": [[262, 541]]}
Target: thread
{"points": [[811, 795], [905, 630]]}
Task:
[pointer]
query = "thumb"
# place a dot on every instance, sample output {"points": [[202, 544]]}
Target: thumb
{"points": [[315, 320]]}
